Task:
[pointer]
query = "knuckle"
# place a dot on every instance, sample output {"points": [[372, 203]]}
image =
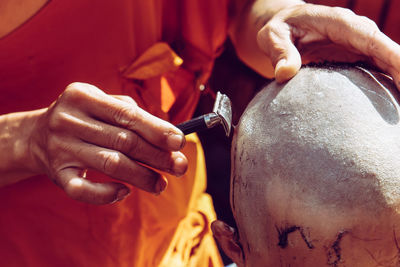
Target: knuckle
{"points": [[266, 38], [58, 120], [128, 99], [341, 17], [126, 116], [371, 35], [125, 142], [77, 91], [74, 88], [268, 32], [341, 13], [111, 162], [369, 23], [372, 45], [262, 37]]}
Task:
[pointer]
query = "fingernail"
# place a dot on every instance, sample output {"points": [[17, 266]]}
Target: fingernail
{"points": [[175, 141], [161, 185], [284, 71], [280, 63], [180, 166], [122, 193], [278, 69]]}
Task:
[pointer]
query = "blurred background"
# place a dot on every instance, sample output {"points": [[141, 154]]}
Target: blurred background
{"points": [[240, 83]]}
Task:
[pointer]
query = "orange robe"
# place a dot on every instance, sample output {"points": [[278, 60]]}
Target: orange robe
{"points": [[158, 52]]}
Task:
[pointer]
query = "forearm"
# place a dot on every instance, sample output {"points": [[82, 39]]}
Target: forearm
{"points": [[248, 20], [16, 160]]}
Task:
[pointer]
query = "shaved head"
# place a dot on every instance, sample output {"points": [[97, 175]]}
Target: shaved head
{"points": [[315, 177]]}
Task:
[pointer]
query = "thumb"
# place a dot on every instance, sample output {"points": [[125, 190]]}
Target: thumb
{"points": [[275, 39], [73, 182]]}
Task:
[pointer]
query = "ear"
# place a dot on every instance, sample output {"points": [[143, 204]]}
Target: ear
{"points": [[226, 238]]}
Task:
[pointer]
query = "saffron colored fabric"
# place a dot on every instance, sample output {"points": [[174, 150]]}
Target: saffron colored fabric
{"points": [[157, 51]]}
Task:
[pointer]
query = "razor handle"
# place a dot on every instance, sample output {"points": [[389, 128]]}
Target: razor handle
{"points": [[200, 123]]}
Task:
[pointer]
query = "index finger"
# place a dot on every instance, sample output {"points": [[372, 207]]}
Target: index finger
{"points": [[129, 116]]}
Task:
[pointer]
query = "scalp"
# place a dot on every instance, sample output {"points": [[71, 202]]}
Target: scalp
{"points": [[318, 148]]}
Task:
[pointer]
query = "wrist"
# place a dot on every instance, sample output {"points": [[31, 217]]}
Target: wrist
{"points": [[34, 151], [17, 161]]}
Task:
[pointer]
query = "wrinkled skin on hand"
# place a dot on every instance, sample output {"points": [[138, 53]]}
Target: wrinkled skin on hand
{"points": [[88, 129], [305, 32]]}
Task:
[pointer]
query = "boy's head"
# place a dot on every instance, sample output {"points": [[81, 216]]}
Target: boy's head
{"points": [[315, 177]]}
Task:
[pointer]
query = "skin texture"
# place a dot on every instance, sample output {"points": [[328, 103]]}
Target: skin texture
{"points": [[110, 134], [315, 179], [66, 139], [290, 33]]}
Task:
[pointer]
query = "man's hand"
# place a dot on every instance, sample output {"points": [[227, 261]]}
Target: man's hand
{"points": [[324, 33], [298, 33], [88, 129]]}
